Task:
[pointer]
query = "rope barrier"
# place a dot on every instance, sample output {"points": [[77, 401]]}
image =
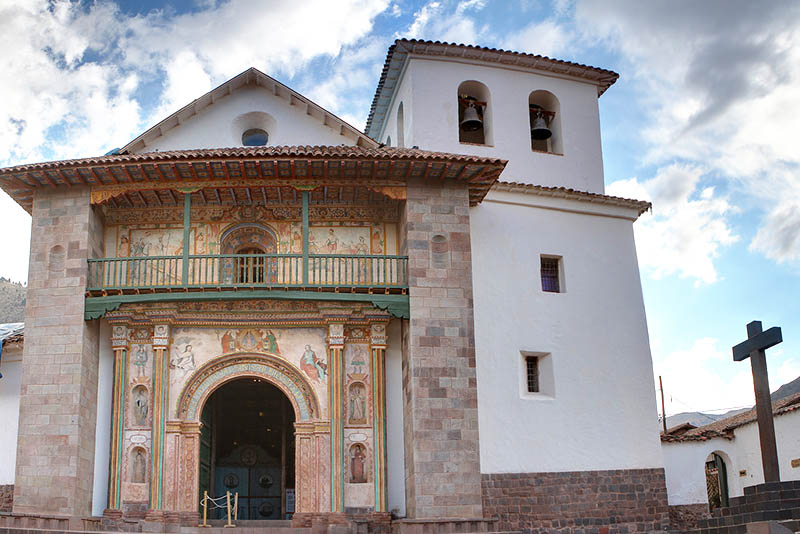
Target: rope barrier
{"points": [[226, 505]]}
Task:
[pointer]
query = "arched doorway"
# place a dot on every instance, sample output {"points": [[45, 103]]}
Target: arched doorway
{"points": [[247, 447], [716, 481]]}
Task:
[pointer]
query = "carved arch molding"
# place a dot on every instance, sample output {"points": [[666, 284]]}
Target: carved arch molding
{"points": [[273, 369]]}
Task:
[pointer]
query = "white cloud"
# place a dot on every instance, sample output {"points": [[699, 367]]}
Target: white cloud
{"points": [[705, 378], [694, 379], [688, 226], [446, 21], [719, 82], [546, 38]]}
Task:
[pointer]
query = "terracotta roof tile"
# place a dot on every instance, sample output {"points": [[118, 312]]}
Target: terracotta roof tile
{"points": [[724, 427], [565, 192], [300, 151]]}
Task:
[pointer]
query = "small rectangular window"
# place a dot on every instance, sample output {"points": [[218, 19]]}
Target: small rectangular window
{"points": [[550, 271], [532, 369]]}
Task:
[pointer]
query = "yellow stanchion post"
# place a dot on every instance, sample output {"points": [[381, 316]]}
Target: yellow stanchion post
{"points": [[228, 500], [236, 506], [205, 510]]}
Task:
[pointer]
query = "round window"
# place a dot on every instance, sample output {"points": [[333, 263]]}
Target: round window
{"points": [[255, 137]]}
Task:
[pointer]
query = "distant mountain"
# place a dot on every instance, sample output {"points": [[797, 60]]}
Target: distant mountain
{"points": [[700, 419], [12, 301], [789, 388]]}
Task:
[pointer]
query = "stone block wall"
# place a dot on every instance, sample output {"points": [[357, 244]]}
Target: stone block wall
{"points": [[686, 517], [439, 378], [610, 502], [6, 497], [58, 394]]}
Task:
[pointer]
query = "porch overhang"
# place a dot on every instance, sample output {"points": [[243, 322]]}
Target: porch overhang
{"points": [[383, 170]]}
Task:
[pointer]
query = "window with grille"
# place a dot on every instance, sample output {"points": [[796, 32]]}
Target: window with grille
{"points": [[551, 272], [532, 372], [251, 269]]}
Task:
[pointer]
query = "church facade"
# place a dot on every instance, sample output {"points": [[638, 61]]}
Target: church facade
{"points": [[438, 320]]}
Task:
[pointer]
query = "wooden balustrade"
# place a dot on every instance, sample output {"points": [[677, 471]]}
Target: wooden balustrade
{"points": [[242, 271]]}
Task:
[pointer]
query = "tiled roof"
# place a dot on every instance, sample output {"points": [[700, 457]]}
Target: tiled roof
{"points": [[259, 166], [563, 192], [250, 77], [396, 57], [12, 333], [724, 427]]}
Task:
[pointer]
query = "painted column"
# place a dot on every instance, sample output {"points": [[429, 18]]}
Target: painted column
{"points": [[160, 393], [187, 225], [305, 237], [378, 346], [305, 488], [119, 343], [336, 389], [189, 458]]}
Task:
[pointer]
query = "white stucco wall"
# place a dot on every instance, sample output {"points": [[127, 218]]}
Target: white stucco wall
{"points": [[432, 121], [684, 462], [395, 451], [216, 125], [102, 440], [11, 368], [602, 413]]}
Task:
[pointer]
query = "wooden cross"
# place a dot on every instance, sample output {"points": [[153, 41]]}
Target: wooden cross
{"points": [[757, 342]]}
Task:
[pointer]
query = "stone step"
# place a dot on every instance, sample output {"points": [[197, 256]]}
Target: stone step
{"points": [[788, 514]]}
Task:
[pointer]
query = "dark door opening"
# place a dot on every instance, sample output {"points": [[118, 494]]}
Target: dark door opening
{"points": [[247, 447]]}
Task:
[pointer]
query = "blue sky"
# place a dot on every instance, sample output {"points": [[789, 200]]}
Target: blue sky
{"points": [[703, 122]]}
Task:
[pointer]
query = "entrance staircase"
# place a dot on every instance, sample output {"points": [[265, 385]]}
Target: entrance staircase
{"points": [[772, 501], [30, 524]]}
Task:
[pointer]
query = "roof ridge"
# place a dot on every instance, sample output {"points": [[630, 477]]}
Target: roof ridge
{"points": [[159, 126], [605, 78]]}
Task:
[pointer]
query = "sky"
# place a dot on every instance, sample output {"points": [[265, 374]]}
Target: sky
{"points": [[704, 122]]}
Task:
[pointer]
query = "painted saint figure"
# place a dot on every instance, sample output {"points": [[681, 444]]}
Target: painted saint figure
{"points": [[270, 343], [228, 340], [313, 366], [358, 406], [357, 457], [358, 360], [184, 361], [140, 359], [138, 467], [140, 407]]}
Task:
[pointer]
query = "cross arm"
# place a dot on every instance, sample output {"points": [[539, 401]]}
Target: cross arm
{"points": [[764, 340]]}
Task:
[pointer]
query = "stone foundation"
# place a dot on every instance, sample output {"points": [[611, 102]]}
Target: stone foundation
{"points": [[6, 497], [604, 502], [685, 517]]}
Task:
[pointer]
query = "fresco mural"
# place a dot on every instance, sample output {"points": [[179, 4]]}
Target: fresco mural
{"points": [[324, 238], [193, 347]]}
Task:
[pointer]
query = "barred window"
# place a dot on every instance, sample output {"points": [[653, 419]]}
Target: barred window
{"points": [[550, 270], [532, 371]]}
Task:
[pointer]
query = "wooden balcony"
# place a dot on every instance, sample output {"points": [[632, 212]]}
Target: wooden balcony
{"points": [[340, 273]]}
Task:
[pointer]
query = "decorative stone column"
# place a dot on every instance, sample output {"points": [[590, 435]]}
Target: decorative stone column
{"points": [[160, 395], [119, 344], [189, 458], [335, 409], [378, 351], [442, 458]]}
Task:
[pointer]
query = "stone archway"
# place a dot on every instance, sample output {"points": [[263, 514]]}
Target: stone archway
{"points": [[312, 434]]}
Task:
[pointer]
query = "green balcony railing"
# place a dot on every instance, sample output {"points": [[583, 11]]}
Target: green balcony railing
{"points": [[262, 271]]}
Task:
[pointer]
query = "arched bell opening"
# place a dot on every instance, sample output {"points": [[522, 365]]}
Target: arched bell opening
{"points": [[545, 122], [474, 113], [247, 446]]}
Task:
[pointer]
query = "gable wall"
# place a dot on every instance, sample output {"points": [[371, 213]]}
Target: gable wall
{"points": [[215, 126]]}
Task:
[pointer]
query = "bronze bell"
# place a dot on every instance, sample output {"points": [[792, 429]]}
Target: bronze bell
{"points": [[539, 130], [471, 121]]}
